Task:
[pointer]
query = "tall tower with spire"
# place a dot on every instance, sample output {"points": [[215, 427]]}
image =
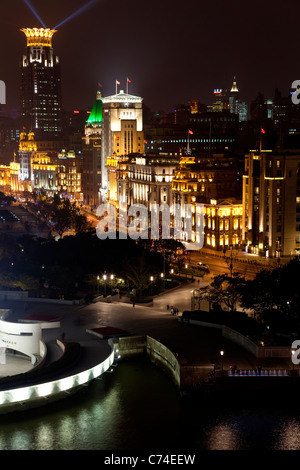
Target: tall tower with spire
{"points": [[92, 166], [234, 97], [236, 106], [41, 85]]}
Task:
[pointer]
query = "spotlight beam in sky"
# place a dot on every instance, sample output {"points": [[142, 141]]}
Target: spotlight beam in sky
{"points": [[34, 12], [88, 5]]}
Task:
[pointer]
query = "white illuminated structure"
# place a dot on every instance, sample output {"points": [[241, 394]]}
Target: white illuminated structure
{"points": [[32, 394], [122, 130], [27, 339], [23, 337]]}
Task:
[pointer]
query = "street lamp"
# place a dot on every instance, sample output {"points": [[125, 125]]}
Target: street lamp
{"points": [[151, 280], [222, 354], [172, 272], [104, 279]]}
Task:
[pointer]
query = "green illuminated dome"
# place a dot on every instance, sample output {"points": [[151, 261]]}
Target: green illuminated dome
{"points": [[96, 114]]}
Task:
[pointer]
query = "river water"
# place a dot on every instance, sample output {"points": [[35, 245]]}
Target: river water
{"points": [[137, 408]]}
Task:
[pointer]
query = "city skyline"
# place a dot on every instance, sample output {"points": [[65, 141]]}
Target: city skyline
{"points": [[171, 54]]}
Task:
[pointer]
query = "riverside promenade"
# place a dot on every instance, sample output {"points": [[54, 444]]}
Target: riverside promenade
{"points": [[193, 345]]}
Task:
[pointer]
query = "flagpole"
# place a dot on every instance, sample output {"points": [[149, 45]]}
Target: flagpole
{"points": [[260, 143], [127, 86], [116, 87]]}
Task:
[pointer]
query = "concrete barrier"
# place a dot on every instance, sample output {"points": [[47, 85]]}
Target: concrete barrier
{"points": [[247, 343], [182, 375]]}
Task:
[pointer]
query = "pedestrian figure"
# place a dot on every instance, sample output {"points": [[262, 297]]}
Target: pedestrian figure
{"points": [[176, 311], [172, 311], [133, 303], [168, 307]]}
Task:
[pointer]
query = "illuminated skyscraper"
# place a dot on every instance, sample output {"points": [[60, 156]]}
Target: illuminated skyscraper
{"points": [[122, 132], [236, 106], [234, 98], [41, 85], [92, 155]]}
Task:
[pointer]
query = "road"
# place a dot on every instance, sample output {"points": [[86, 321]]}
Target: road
{"points": [[219, 265]]}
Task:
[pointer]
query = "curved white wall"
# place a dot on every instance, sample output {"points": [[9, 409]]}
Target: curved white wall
{"points": [[33, 393], [23, 337]]}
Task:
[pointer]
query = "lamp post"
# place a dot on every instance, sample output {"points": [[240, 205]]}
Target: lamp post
{"points": [[151, 280], [104, 279], [222, 354], [163, 278]]}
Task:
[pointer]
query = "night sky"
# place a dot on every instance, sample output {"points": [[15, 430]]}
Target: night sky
{"points": [[172, 51]]}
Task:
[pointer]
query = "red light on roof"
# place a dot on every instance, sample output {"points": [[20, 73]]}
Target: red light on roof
{"points": [[76, 112]]}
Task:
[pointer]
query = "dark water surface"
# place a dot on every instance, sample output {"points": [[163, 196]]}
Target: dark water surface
{"points": [[137, 408]]}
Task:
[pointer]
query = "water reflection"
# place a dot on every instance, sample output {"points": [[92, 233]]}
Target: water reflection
{"points": [[44, 436], [288, 436], [137, 407], [224, 436]]}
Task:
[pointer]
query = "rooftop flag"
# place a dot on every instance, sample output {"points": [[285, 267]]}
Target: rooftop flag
{"points": [[191, 132], [262, 131], [128, 81]]}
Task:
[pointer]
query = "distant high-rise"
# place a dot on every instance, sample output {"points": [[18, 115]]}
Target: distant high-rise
{"points": [[41, 85], [220, 102], [234, 98], [236, 106]]}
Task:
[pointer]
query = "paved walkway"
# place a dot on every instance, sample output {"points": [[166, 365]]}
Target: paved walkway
{"points": [[193, 344]]}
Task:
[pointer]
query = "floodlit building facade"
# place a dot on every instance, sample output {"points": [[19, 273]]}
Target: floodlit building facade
{"points": [[122, 131], [271, 203], [212, 187]]}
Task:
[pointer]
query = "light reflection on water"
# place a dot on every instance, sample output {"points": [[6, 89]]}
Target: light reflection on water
{"points": [[138, 408]]}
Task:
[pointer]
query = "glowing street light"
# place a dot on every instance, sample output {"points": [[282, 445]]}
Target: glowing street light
{"points": [[151, 280], [222, 354], [104, 279]]}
